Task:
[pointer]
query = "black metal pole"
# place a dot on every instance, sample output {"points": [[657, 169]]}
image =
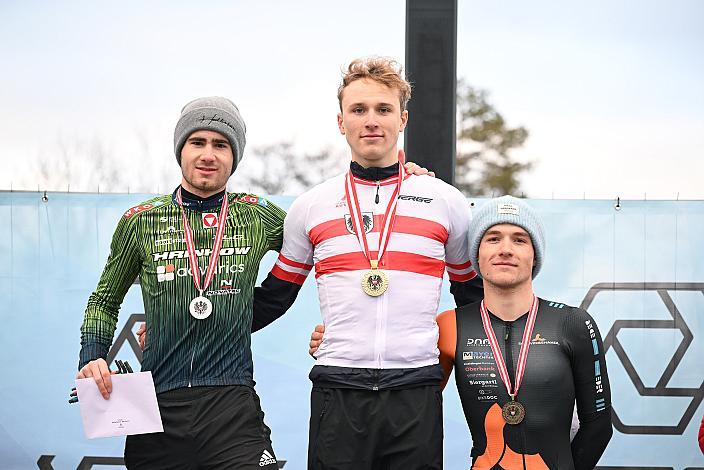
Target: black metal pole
{"points": [[431, 66]]}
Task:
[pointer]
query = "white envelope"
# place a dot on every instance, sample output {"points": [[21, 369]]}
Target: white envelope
{"points": [[131, 409]]}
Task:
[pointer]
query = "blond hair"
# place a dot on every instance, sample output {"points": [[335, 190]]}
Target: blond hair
{"points": [[380, 69]]}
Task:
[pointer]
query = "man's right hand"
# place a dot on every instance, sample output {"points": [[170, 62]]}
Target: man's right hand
{"points": [[99, 370], [316, 337]]}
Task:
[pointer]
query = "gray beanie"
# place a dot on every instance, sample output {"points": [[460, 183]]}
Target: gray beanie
{"points": [[212, 113], [507, 210]]}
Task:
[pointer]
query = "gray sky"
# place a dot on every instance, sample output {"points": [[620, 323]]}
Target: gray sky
{"points": [[612, 92]]}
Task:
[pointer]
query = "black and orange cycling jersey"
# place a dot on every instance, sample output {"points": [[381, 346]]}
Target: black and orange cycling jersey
{"points": [[565, 364]]}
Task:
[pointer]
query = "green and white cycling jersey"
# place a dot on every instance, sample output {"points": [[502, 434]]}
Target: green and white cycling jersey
{"points": [[149, 242]]}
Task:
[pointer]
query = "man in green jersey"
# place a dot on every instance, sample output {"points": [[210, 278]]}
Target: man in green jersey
{"points": [[196, 252]]}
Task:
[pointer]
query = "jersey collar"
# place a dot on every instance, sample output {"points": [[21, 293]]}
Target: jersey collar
{"points": [[197, 203]]}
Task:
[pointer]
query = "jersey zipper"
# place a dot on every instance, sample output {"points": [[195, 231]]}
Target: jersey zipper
{"points": [[509, 351], [379, 331], [380, 343], [190, 374], [512, 375], [193, 356]]}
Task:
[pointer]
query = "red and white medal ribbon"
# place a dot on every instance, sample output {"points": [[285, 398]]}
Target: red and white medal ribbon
{"points": [[358, 221], [201, 307], [522, 355]]}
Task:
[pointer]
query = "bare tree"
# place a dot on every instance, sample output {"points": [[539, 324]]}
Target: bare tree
{"points": [[279, 169], [484, 163], [78, 164], [91, 164]]}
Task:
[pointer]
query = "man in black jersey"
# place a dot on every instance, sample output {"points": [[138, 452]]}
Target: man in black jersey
{"points": [[521, 362]]}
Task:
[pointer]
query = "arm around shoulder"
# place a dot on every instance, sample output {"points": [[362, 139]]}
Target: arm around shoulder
{"points": [[280, 288], [465, 286], [447, 343]]}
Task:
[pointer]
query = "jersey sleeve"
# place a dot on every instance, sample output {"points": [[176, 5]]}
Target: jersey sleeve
{"points": [[458, 266], [280, 288], [467, 292], [591, 384], [588, 365], [273, 220], [296, 257], [121, 269], [465, 286]]}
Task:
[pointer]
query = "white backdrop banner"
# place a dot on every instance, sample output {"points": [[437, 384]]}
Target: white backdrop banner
{"points": [[638, 269]]}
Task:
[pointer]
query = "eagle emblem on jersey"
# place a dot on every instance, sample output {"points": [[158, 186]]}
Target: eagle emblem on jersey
{"points": [[367, 220]]}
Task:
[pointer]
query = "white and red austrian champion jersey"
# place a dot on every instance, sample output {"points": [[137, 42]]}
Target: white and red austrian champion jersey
{"points": [[398, 328]]}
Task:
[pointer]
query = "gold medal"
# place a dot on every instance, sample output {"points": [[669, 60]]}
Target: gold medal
{"points": [[513, 412], [375, 281]]}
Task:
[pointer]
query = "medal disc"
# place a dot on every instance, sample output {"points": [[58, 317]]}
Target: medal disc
{"points": [[375, 282], [513, 412], [200, 308]]}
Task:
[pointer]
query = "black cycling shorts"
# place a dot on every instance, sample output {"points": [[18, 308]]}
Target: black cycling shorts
{"points": [[352, 429], [205, 428]]}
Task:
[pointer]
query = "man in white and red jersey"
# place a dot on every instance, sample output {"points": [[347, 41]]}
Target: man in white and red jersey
{"points": [[380, 241]]}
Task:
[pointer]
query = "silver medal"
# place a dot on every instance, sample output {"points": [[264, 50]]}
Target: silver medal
{"points": [[200, 308]]}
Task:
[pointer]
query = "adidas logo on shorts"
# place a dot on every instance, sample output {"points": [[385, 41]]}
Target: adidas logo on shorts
{"points": [[266, 459]]}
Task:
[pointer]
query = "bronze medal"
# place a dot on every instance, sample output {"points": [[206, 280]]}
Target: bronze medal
{"points": [[513, 412]]}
